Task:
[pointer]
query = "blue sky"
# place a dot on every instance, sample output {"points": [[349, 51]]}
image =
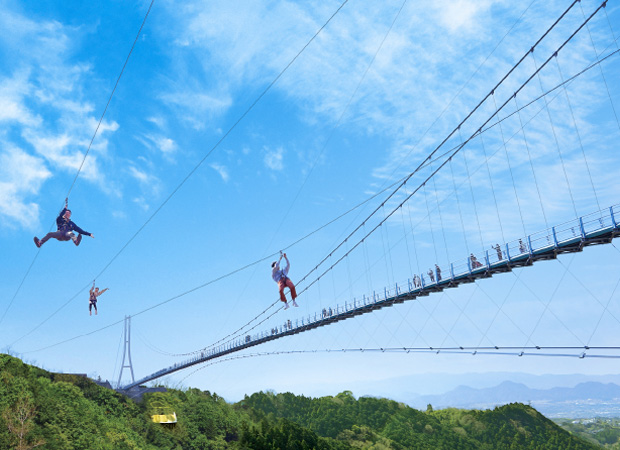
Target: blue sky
{"points": [[364, 103]]}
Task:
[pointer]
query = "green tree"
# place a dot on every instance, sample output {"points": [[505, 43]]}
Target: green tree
{"points": [[19, 420]]}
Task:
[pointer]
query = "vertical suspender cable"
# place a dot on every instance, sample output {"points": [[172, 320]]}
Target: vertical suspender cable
{"points": [[471, 189], [514, 185], [555, 137], [529, 156], [443, 229], [458, 205], [486, 160], [583, 152]]}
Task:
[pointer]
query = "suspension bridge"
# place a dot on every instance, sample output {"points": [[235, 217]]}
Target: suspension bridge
{"points": [[594, 229]]}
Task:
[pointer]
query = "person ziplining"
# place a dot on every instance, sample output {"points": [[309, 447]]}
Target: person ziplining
{"points": [[92, 301], [65, 229], [280, 276]]}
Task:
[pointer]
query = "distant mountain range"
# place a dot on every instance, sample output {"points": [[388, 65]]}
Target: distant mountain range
{"points": [[587, 399], [555, 395]]}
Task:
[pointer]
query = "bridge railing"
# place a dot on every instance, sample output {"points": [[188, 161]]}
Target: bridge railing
{"points": [[573, 231], [461, 267], [592, 222]]}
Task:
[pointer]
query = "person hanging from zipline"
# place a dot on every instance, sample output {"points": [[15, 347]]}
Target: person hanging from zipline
{"points": [[280, 277], [65, 229], [92, 301]]}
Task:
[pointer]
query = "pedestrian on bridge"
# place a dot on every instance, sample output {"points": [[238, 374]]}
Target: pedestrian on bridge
{"points": [[417, 280], [474, 261], [431, 274], [498, 249], [280, 276]]}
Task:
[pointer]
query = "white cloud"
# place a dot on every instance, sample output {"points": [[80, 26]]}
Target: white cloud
{"points": [[165, 145], [12, 107], [158, 121], [139, 175], [61, 151], [197, 107], [221, 170], [417, 73], [117, 214], [249, 46], [149, 183], [141, 203], [53, 38], [454, 15], [21, 175], [274, 158]]}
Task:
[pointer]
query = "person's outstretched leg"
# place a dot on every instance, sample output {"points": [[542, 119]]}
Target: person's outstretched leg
{"points": [[291, 286], [60, 235], [281, 284], [47, 237], [77, 240], [282, 296]]}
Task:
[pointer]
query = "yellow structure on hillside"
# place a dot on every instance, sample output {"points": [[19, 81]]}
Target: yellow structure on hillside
{"points": [[165, 418], [163, 413]]}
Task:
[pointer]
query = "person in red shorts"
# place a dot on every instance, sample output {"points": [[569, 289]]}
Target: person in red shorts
{"points": [[280, 276]]}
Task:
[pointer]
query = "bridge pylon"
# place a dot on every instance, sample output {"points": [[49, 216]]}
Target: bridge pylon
{"points": [[126, 352]]}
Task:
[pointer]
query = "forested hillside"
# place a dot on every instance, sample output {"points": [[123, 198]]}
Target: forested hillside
{"points": [[394, 425], [68, 412]]}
